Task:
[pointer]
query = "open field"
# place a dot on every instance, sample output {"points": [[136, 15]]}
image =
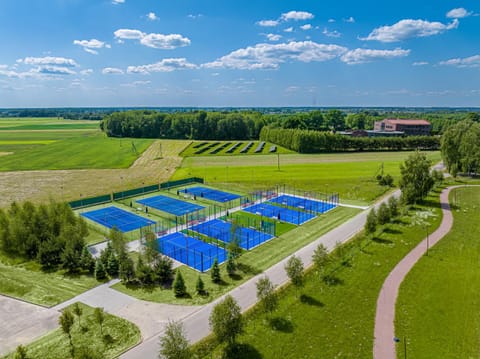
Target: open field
{"points": [[224, 148], [116, 336], [437, 307], [251, 263], [25, 280], [351, 175], [334, 318]]}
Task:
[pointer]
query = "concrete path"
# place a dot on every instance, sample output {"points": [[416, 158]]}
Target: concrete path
{"points": [[196, 324], [22, 323], [384, 345]]}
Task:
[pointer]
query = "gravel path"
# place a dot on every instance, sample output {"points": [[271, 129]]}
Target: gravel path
{"points": [[384, 344]]}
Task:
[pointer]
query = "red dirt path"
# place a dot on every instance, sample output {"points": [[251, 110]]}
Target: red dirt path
{"points": [[384, 345]]}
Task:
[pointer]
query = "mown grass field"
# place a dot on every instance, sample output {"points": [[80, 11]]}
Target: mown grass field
{"points": [[25, 280], [437, 308], [251, 263], [221, 148], [351, 175], [333, 319], [116, 336]]}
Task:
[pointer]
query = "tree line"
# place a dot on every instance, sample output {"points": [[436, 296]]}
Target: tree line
{"points": [[307, 141], [50, 234]]}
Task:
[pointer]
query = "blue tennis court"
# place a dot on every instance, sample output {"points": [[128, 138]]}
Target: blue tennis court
{"points": [[170, 205], [212, 194], [303, 203], [277, 212], [115, 217], [190, 251], [248, 238]]}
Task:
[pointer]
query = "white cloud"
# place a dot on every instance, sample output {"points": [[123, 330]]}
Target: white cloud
{"points": [[54, 70], [359, 56], [270, 56], [268, 23], [291, 89], [306, 27], [48, 60], [128, 34], [420, 63], [116, 2], [331, 20], [458, 13], [409, 28], [165, 42], [152, 16], [166, 65], [90, 45], [472, 61], [297, 15], [333, 33], [288, 29], [350, 19], [112, 71], [156, 41], [193, 16], [273, 37], [86, 72]]}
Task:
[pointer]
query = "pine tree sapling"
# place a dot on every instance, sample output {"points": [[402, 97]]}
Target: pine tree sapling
{"points": [[174, 344], [216, 272], [20, 353], [112, 265], [100, 273], [200, 286], [179, 287], [231, 265]]}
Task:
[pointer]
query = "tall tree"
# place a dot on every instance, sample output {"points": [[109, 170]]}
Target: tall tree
{"points": [[416, 180], [226, 320], [174, 344]]}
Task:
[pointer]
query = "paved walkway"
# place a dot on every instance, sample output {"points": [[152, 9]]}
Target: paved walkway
{"points": [[196, 324], [384, 345]]}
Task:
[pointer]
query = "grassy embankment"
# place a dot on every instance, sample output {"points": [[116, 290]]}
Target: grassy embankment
{"points": [[115, 336], [437, 308]]}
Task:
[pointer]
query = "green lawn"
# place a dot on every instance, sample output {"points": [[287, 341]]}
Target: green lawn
{"points": [[351, 175], [251, 263], [220, 148], [118, 336], [333, 320], [25, 280], [92, 150], [437, 308]]}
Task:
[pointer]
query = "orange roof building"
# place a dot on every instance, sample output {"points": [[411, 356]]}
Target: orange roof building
{"points": [[407, 126]]}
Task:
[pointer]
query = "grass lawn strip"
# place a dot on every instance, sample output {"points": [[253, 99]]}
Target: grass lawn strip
{"points": [[251, 263], [118, 335], [437, 307], [333, 319]]}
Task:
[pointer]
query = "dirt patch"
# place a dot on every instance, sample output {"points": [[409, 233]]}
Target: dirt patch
{"points": [[68, 185], [6, 153]]}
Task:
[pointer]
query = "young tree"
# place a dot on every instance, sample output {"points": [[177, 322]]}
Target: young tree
{"points": [[266, 294], [100, 273], [99, 315], [78, 311], [86, 260], [320, 258], [371, 223], [150, 248], [174, 344], [163, 269], [231, 265], [112, 265], [200, 286], [179, 287], [20, 353], [383, 214], [216, 272], [294, 269], [144, 272], [393, 206], [416, 180], [226, 320], [118, 241], [71, 259], [66, 321], [126, 269]]}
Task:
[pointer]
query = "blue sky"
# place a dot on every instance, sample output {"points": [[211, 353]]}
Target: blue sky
{"points": [[239, 53]]}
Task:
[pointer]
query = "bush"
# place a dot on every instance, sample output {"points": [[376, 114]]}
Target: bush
{"points": [[393, 206], [386, 180], [371, 223], [383, 214]]}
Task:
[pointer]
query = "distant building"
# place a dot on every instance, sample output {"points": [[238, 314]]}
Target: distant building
{"points": [[408, 127]]}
